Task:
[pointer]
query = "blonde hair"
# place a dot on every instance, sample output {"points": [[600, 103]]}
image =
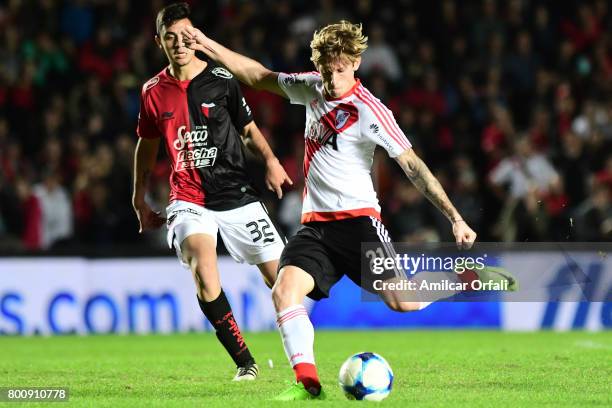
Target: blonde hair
{"points": [[334, 40]]}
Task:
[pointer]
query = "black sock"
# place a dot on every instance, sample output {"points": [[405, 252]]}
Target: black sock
{"points": [[219, 314]]}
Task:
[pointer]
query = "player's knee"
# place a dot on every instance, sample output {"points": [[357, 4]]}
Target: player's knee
{"points": [[282, 294], [291, 286], [202, 266], [279, 294]]}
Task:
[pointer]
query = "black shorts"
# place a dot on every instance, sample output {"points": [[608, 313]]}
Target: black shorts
{"points": [[328, 250]]}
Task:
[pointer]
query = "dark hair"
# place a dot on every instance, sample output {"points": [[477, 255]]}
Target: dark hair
{"points": [[172, 13]]}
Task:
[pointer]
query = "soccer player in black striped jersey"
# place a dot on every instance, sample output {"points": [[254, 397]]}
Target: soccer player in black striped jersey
{"points": [[196, 107]]}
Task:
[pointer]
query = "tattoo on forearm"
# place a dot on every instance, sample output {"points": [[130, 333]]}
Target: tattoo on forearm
{"points": [[420, 175]]}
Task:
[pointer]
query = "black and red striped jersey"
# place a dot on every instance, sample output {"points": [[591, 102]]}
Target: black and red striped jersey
{"points": [[200, 121]]}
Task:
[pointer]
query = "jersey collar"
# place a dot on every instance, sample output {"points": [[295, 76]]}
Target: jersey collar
{"points": [[185, 83]]}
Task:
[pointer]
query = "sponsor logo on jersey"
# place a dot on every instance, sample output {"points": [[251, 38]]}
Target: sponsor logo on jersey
{"points": [[222, 73], [289, 80], [192, 149], [384, 141], [293, 79], [322, 134], [196, 158], [195, 137], [175, 213], [205, 107], [150, 83], [246, 107], [375, 128]]}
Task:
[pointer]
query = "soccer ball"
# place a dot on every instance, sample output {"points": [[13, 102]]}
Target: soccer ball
{"points": [[366, 376]]}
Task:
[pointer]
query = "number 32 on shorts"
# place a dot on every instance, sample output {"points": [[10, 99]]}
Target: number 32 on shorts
{"points": [[261, 229]]}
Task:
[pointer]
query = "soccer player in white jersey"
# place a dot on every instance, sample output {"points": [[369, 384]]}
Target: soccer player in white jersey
{"points": [[344, 124]]}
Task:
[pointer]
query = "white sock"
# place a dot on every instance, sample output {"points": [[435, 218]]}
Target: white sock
{"points": [[297, 333]]}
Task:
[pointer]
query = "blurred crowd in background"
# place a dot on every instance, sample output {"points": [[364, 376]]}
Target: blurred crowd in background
{"points": [[508, 102]]}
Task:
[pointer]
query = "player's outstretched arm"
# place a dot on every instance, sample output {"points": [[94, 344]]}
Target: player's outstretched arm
{"points": [[420, 175], [276, 175], [144, 160], [247, 70]]}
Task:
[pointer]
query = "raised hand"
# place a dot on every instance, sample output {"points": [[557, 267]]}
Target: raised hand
{"points": [[193, 38]]}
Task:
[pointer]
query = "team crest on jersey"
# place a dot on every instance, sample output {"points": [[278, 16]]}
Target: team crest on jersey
{"points": [[342, 117], [222, 73], [205, 107], [334, 122]]}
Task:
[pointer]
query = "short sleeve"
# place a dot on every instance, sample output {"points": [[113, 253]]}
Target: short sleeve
{"points": [[239, 110], [146, 128], [299, 87], [379, 125]]}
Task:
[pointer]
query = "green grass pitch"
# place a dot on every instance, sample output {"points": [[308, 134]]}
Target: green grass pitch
{"points": [[434, 368]]}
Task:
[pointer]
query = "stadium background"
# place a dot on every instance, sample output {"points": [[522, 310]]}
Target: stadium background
{"points": [[489, 92]]}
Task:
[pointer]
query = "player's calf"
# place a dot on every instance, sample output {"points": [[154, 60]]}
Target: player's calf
{"points": [[199, 253], [291, 286], [206, 278], [219, 314]]}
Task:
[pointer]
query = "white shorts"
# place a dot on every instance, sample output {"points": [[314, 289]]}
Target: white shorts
{"points": [[247, 231]]}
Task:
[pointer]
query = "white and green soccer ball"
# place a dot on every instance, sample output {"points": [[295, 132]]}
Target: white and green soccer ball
{"points": [[366, 376]]}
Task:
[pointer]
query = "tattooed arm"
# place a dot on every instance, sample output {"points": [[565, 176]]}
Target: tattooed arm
{"points": [[420, 175], [144, 160]]}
